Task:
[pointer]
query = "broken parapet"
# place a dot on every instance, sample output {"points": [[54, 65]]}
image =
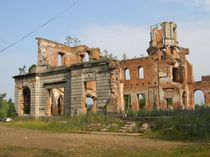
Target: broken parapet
{"points": [[205, 78], [162, 35], [56, 54]]}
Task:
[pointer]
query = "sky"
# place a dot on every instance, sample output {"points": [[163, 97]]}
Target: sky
{"points": [[119, 26]]}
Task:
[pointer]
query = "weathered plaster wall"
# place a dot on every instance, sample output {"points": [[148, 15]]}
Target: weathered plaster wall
{"points": [[86, 72], [27, 82]]}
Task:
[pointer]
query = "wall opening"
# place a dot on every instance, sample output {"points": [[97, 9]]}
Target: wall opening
{"points": [[141, 72], [127, 74], [169, 102], [56, 102], [89, 99], [86, 57], [163, 56], [142, 100], [199, 98], [178, 74], [60, 59], [26, 100], [184, 98], [89, 103], [175, 74], [127, 101]]}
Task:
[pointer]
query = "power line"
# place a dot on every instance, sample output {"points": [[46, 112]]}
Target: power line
{"points": [[38, 28]]}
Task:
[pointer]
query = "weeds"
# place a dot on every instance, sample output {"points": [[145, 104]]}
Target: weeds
{"points": [[178, 125], [80, 123]]}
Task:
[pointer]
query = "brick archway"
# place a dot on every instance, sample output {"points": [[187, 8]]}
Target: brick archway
{"points": [[196, 93], [204, 86]]}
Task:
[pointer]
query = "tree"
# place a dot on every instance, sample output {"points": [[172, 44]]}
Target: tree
{"points": [[7, 108], [124, 56], [11, 109], [71, 41], [2, 96], [3, 106], [22, 70], [109, 56], [31, 67]]}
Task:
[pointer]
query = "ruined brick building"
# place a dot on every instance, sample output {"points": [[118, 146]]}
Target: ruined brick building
{"points": [[72, 80]]}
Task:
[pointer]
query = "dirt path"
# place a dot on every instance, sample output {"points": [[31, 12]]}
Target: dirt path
{"points": [[71, 142]]}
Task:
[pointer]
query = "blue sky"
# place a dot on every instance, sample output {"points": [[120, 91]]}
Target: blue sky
{"points": [[120, 26]]}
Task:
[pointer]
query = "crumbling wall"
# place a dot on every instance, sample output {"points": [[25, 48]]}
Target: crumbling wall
{"points": [[116, 101], [81, 77], [51, 83], [55, 54], [204, 86], [64, 78], [147, 85]]}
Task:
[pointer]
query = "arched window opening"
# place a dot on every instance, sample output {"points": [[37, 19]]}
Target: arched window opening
{"points": [[89, 103], [26, 100], [127, 74], [199, 98], [86, 57], [141, 72]]}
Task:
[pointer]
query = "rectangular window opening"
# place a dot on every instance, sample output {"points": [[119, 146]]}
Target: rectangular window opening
{"points": [[127, 100], [141, 100], [60, 59]]}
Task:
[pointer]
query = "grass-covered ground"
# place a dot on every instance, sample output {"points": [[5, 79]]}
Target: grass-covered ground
{"points": [[169, 125], [35, 152], [182, 126], [81, 123]]}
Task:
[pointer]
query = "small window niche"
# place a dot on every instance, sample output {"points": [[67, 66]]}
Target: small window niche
{"points": [[60, 59], [127, 74]]}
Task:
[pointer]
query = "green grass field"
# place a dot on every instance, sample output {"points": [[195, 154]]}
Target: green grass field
{"points": [[169, 125], [202, 151]]}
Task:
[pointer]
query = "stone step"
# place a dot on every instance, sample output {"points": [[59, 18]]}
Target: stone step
{"points": [[124, 128], [104, 130], [121, 130], [129, 123]]}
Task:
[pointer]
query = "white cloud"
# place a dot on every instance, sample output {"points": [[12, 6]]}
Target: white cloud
{"points": [[120, 38], [205, 4], [10, 62], [200, 3], [134, 40], [117, 39], [195, 36]]}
